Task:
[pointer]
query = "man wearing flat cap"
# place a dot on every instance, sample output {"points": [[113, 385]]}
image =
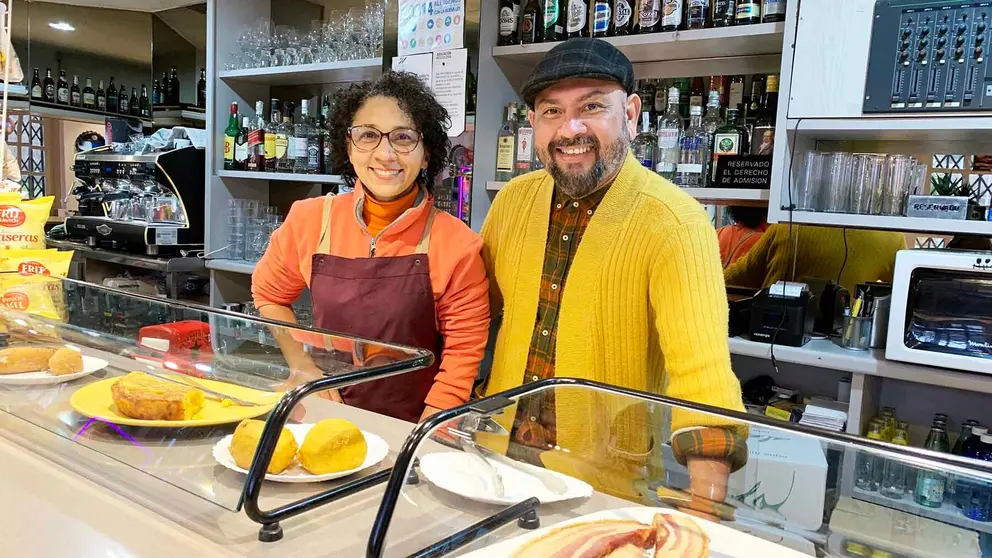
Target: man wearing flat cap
{"points": [[605, 271]]}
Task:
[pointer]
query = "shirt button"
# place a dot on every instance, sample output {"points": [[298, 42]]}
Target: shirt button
{"points": [[554, 286], [575, 204], [589, 211], [544, 333], [535, 378], [533, 419], [558, 206], [564, 237]]}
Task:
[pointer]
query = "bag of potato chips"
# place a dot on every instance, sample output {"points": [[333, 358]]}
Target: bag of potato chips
{"points": [[36, 262], [22, 222], [28, 281]]}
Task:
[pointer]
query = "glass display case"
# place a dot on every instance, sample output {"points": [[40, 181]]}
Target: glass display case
{"points": [[157, 386], [602, 480]]}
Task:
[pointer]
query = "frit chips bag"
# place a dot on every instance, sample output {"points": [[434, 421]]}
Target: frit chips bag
{"points": [[22, 222], [28, 281]]}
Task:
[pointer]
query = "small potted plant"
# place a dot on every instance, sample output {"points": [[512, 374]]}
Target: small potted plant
{"points": [[942, 185]]}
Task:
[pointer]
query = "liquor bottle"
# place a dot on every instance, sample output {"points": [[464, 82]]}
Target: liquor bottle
{"points": [[123, 107], [758, 82], [314, 156], [735, 93], [531, 28], [89, 96], [551, 20], [729, 139], [864, 467], [894, 471], [671, 14], [696, 92], [112, 97], [144, 103], [506, 144], [133, 106], [201, 89], [525, 144], [623, 18], [174, 87], [326, 163], [101, 98], [509, 11], [966, 427], [230, 137], [256, 140], [156, 93], [75, 94], [660, 98], [649, 16], [285, 156], [747, 12], [646, 90], [645, 144], [683, 86], [302, 134], [692, 152], [697, 14], [669, 132], [772, 10], [724, 12], [63, 90], [271, 130], [763, 134], [711, 123], [930, 483], [576, 20], [165, 95], [602, 18], [49, 86], [36, 90], [241, 145]]}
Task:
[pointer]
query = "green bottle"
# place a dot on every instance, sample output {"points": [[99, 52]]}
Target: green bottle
{"points": [[929, 483], [230, 137]]}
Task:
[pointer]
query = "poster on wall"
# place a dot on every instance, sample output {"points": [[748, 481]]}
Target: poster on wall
{"points": [[430, 25]]}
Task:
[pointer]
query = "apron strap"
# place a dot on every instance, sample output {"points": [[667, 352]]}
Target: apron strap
{"points": [[324, 245], [426, 239]]}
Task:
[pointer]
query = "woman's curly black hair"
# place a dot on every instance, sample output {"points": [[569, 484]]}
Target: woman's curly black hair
{"points": [[415, 99]]}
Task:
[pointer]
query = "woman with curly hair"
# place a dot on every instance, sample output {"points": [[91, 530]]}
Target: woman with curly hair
{"points": [[381, 262]]}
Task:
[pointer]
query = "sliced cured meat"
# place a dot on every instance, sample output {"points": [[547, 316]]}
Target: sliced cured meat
{"points": [[594, 539], [677, 536], [627, 551]]}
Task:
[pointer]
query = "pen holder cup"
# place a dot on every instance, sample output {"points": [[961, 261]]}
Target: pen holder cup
{"points": [[856, 333]]}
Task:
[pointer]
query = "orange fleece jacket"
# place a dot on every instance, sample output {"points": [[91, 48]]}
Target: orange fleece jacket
{"points": [[458, 276]]}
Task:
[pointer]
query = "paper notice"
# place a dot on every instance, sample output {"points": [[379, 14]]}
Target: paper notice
{"points": [[450, 73]]}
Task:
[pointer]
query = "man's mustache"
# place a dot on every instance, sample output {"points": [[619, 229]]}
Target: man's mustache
{"points": [[572, 142]]}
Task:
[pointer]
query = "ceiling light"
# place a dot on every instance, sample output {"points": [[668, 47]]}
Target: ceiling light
{"points": [[61, 26]]}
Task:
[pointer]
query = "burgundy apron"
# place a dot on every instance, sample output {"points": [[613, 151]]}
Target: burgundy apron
{"points": [[389, 299]]}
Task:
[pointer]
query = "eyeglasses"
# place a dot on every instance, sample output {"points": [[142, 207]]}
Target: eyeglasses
{"points": [[367, 138]]}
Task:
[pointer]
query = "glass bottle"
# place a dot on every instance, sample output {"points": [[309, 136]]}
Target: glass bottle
{"points": [[649, 16], [646, 90], [772, 11], [156, 93], [894, 470], [600, 18], [89, 96], [724, 12], [711, 123], [552, 20], [506, 144], [729, 139], [697, 14], [576, 18], [692, 152], [122, 103], [977, 502], [271, 130], [963, 487], [696, 92], [201, 89], [133, 103], [256, 140], [144, 104], [101, 97], [865, 463], [230, 136], [525, 144], [930, 483], [36, 91], [669, 131], [112, 96], [671, 14], [646, 143], [623, 17], [75, 94], [174, 87], [304, 137], [241, 145], [509, 15], [49, 86], [285, 155], [326, 162], [63, 89], [683, 85], [748, 12]]}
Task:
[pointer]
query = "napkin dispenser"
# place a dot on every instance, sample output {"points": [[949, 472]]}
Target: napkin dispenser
{"points": [[781, 313]]}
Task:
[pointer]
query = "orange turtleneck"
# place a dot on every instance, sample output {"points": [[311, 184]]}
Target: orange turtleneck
{"points": [[378, 214]]}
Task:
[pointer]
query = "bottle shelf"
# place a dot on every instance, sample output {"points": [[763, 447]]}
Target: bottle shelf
{"points": [[717, 42], [717, 196], [305, 74], [66, 112], [284, 176], [948, 513], [932, 127], [233, 266], [888, 222], [176, 116]]}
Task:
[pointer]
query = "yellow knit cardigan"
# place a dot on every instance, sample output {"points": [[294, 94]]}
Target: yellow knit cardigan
{"points": [[644, 307]]}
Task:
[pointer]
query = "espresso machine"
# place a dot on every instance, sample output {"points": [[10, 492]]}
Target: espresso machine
{"points": [[150, 204]]}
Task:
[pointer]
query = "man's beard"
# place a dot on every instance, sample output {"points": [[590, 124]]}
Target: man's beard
{"points": [[579, 184]]}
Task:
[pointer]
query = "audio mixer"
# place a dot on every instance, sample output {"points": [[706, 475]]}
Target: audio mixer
{"points": [[928, 56]]}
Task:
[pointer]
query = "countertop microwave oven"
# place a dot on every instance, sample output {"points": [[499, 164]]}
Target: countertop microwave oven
{"points": [[941, 312]]}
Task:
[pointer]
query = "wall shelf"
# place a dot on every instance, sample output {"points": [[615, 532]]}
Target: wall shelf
{"points": [[178, 117], [717, 196], [948, 513], [284, 176], [888, 222], [304, 74], [233, 266], [956, 127]]}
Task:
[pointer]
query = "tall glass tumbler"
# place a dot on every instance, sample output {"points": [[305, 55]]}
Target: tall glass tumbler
{"points": [[902, 169], [868, 182], [236, 227], [837, 167], [806, 193]]}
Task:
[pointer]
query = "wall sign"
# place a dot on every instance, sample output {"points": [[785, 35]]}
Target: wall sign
{"points": [[430, 25], [743, 171]]}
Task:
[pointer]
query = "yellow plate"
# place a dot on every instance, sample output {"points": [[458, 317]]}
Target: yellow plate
{"points": [[95, 400]]}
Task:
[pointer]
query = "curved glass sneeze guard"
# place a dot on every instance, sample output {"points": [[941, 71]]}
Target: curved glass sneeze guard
{"points": [[117, 333], [802, 492]]}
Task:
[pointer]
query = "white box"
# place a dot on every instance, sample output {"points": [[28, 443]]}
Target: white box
{"points": [[784, 480]]}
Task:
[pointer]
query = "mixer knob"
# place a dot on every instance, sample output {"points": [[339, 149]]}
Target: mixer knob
{"points": [[940, 53], [922, 54], [959, 40], [942, 30], [906, 32], [925, 31], [924, 43], [903, 55], [941, 41], [958, 52], [962, 28], [978, 52], [980, 27], [979, 39]]}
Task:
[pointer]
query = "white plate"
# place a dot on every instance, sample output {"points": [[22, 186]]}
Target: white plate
{"points": [[46, 378], [467, 476], [724, 541], [378, 450]]}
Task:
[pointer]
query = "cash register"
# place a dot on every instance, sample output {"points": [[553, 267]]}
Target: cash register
{"points": [[781, 313]]}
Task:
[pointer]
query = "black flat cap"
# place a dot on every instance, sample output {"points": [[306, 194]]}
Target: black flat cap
{"points": [[574, 58]]}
